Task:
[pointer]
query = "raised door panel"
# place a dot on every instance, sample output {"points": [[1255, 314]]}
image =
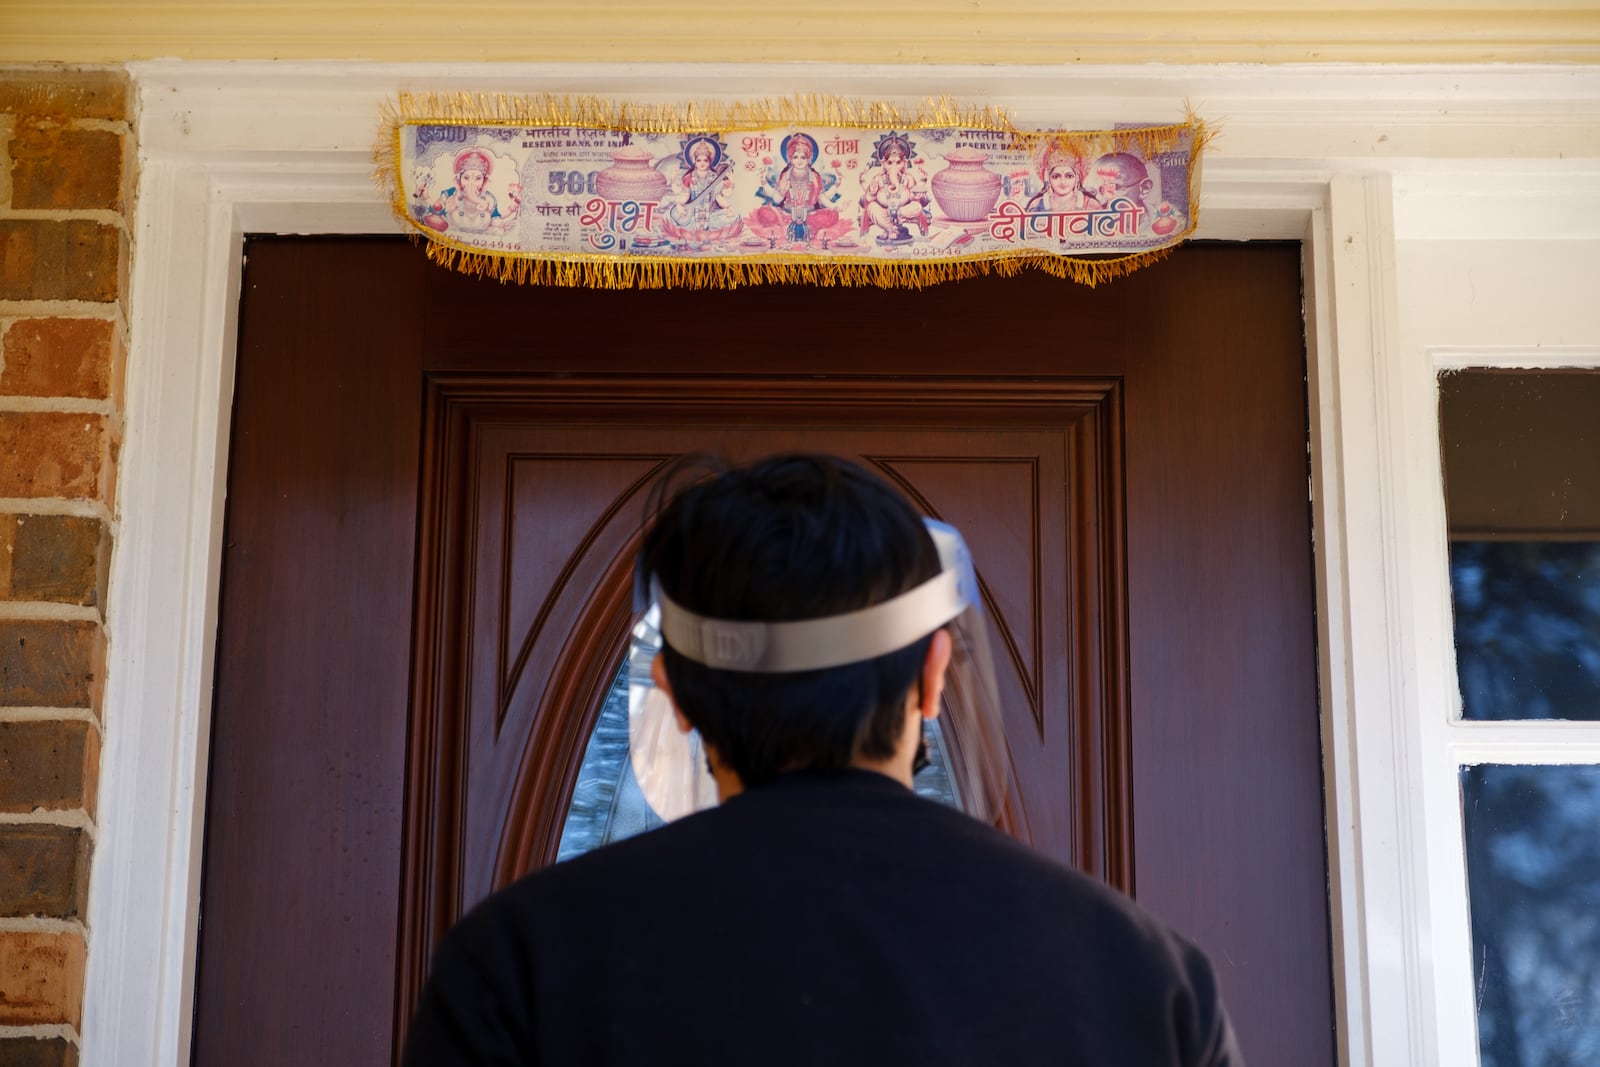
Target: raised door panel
{"points": [[536, 521], [549, 523]]}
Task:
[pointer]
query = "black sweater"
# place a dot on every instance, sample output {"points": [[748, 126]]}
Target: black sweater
{"points": [[826, 918]]}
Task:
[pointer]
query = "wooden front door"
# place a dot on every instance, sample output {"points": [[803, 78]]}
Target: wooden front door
{"points": [[435, 484]]}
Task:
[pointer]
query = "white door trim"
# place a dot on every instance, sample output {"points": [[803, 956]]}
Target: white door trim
{"points": [[1305, 153]]}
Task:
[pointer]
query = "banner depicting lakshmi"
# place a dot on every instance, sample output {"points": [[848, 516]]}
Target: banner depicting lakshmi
{"points": [[762, 195]]}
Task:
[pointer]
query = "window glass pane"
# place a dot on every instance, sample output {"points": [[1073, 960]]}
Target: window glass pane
{"points": [[1522, 494], [607, 804], [1533, 873], [1527, 628]]}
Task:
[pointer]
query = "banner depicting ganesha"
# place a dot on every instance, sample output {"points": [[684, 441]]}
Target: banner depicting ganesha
{"points": [[835, 194]]}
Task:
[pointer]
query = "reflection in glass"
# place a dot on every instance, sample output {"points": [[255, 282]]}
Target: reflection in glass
{"points": [[607, 804], [1527, 628], [1533, 873]]}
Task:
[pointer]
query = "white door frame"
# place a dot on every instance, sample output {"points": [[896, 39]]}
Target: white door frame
{"points": [[1305, 153]]}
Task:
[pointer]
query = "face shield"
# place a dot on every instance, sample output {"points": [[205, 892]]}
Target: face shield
{"points": [[670, 764]]}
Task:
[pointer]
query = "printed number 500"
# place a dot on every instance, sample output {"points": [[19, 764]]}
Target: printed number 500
{"points": [[573, 182]]}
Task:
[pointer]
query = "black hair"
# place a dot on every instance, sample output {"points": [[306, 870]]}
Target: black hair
{"points": [[796, 536]]}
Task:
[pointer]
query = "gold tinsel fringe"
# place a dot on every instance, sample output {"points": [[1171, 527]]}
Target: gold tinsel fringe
{"points": [[623, 272], [545, 109], [599, 272], [1147, 140]]}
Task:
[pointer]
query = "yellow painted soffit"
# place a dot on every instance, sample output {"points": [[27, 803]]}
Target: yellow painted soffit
{"points": [[891, 31]]}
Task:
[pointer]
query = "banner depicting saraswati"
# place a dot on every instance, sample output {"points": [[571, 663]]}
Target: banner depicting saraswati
{"points": [[603, 203]]}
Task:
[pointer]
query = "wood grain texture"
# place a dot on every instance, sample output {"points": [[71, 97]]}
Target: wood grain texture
{"points": [[1229, 849], [299, 903], [1145, 450]]}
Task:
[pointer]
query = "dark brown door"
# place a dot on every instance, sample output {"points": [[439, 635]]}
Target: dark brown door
{"points": [[434, 488]]}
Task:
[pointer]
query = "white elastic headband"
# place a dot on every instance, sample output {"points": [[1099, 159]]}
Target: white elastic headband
{"points": [[833, 641]]}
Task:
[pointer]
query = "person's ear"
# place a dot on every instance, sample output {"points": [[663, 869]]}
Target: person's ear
{"points": [[658, 674], [934, 668]]}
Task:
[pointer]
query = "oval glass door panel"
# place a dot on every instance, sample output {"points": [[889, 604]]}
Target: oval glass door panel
{"points": [[607, 804]]}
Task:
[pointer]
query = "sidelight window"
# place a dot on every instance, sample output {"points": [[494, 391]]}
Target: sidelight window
{"points": [[1521, 460]]}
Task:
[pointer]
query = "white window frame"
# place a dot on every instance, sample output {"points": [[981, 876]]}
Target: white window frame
{"points": [[1506, 296], [1306, 153]]}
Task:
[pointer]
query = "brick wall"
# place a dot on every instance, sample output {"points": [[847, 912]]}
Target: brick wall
{"points": [[65, 178]]}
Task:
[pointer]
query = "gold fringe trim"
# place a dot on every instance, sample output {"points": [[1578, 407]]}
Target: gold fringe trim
{"points": [[630, 272], [817, 109], [604, 272]]}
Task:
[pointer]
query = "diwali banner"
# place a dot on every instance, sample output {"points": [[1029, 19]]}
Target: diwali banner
{"points": [[594, 193]]}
